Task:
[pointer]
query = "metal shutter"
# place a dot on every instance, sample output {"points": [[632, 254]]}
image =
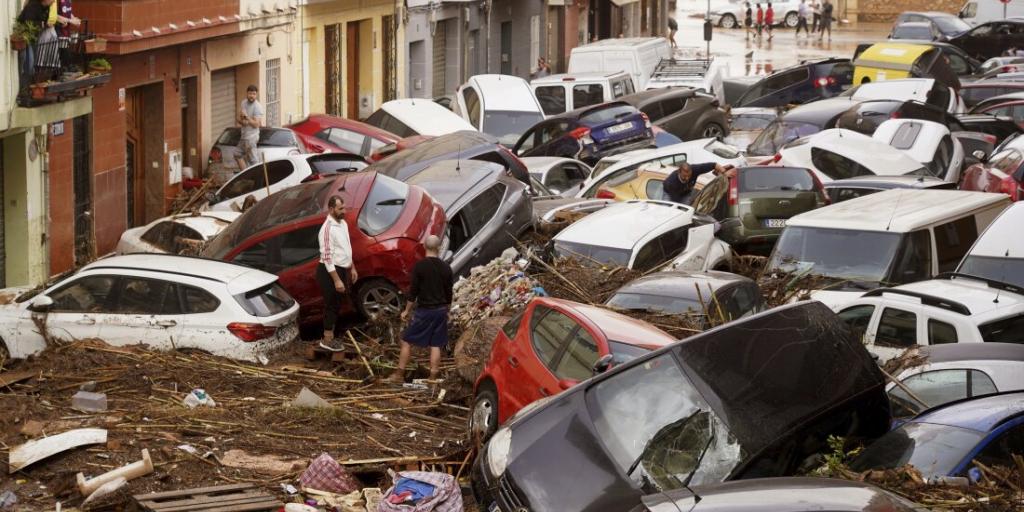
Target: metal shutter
{"points": [[222, 101], [440, 62]]}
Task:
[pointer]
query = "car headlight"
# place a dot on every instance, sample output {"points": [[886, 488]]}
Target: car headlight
{"points": [[497, 451]]}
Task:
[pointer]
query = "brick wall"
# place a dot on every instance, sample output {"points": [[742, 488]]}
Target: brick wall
{"points": [[120, 16], [887, 10], [61, 226]]}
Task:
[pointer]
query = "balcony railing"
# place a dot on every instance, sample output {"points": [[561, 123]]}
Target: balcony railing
{"points": [[58, 69]]}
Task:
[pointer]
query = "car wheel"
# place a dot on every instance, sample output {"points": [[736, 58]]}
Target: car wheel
{"points": [[791, 19], [712, 130], [728, 21], [378, 296], [483, 420]]}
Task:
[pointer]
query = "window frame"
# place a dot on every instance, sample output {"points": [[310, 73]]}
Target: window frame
{"points": [[882, 319]]}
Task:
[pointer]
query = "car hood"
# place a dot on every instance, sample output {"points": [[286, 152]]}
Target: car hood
{"points": [[836, 299], [546, 208]]}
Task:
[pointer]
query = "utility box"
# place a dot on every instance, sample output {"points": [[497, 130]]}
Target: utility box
{"points": [[365, 105]]}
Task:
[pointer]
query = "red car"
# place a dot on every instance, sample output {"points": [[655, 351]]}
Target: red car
{"points": [[322, 132], [551, 346], [402, 144], [1002, 173], [387, 221]]}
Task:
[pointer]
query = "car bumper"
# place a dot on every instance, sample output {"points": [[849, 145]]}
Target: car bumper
{"points": [[493, 493]]}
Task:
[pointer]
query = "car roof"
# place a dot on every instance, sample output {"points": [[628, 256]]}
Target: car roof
{"points": [[976, 295], [580, 112], [884, 52], [464, 142], [981, 414], [505, 93], [578, 77], [622, 225], [1002, 237], [857, 146], [888, 182], [638, 98], [925, 142], [644, 155], [239, 279], [818, 112], [621, 42], [616, 326], [448, 181], [926, 24], [682, 284], [426, 117], [955, 352], [899, 210], [207, 223], [351, 124]]}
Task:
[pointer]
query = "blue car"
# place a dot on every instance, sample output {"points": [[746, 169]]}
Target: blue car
{"points": [[944, 441], [589, 134]]}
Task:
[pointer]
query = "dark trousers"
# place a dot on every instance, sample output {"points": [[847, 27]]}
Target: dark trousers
{"points": [[332, 297], [801, 23], [814, 22]]}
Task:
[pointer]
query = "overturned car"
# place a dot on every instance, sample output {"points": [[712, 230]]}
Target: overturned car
{"points": [[753, 398]]}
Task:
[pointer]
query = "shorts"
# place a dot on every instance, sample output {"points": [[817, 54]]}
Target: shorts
{"points": [[246, 150], [428, 328]]}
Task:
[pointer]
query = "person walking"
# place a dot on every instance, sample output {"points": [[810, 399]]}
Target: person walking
{"points": [[430, 292], [678, 186], [759, 20], [816, 16], [826, 20], [748, 19], [769, 20], [250, 118], [801, 18], [335, 273], [673, 27]]}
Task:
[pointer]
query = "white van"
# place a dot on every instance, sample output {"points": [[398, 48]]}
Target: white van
{"points": [[558, 94], [500, 105], [637, 56], [999, 252], [883, 239], [976, 12]]}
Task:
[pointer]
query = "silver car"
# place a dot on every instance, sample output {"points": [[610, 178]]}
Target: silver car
{"points": [[274, 143]]}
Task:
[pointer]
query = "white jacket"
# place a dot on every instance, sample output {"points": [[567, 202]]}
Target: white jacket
{"points": [[335, 246]]}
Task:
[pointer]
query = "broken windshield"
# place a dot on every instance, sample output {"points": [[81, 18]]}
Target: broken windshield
{"points": [[848, 254]]}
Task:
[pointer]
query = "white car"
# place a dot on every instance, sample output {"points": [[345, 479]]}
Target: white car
{"points": [[500, 105], [417, 116], [176, 233], [562, 176], [927, 142], [731, 16], [838, 153], [925, 90], [694, 152], [999, 252], [282, 173], [163, 301], [644, 235], [948, 309]]}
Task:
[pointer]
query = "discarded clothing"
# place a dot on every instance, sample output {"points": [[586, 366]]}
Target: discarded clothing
{"points": [[410, 491], [446, 495], [325, 474]]}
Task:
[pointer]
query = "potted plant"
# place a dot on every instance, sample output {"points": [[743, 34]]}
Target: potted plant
{"points": [[99, 66], [23, 34]]}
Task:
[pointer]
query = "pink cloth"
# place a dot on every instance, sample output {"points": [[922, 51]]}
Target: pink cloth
{"points": [[325, 474]]}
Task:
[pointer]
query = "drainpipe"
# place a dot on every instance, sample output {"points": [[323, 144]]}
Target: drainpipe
{"points": [[487, 7]]}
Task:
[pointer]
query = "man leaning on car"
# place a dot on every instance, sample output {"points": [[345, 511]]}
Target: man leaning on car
{"points": [[678, 186]]}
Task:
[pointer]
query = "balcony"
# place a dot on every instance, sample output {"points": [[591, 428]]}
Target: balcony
{"points": [[58, 71]]}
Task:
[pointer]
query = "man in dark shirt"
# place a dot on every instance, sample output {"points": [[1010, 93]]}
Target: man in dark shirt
{"points": [[678, 186], [431, 294]]}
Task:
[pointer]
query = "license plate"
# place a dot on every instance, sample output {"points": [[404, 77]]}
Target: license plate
{"points": [[619, 128], [774, 223]]}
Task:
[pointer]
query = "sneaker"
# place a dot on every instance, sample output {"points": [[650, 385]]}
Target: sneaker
{"points": [[334, 345]]}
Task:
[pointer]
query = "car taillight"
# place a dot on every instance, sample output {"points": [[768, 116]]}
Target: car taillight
{"points": [[819, 187], [895, 115], [1009, 187], [251, 332], [824, 81], [605, 194], [215, 155], [734, 191], [647, 120], [582, 134]]}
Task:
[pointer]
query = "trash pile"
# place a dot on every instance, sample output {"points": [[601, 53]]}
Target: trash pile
{"points": [[500, 287], [999, 489]]}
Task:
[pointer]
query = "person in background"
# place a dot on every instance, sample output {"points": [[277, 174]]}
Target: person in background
{"points": [[769, 20], [816, 16], [826, 20], [543, 69], [250, 118], [678, 186], [801, 19], [335, 273], [673, 27], [748, 19], [34, 12], [430, 292], [62, 17], [759, 21]]}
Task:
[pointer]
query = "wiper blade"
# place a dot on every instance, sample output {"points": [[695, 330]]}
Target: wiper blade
{"points": [[684, 421]]}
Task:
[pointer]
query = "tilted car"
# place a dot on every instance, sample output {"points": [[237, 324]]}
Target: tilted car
{"points": [[998, 254], [991, 39], [163, 301], [417, 116], [804, 83], [927, 142], [989, 92], [945, 25], [722, 295], [1002, 173], [800, 122], [745, 124], [500, 105], [273, 143], [561, 176], [333, 134], [175, 234], [837, 153], [263, 179], [682, 111], [588, 134]]}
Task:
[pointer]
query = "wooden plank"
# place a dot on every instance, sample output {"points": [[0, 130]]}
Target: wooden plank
{"points": [[221, 498], [223, 503], [8, 378], [39, 449], [186, 493], [254, 507]]}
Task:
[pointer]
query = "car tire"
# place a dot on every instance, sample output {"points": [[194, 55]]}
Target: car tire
{"points": [[376, 296], [791, 19], [483, 418], [727, 21], [712, 130]]}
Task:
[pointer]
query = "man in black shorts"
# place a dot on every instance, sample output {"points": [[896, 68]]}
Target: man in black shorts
{"points": [[673, 27], [431, 294]]}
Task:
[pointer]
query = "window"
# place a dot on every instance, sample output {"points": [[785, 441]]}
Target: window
{"points": [[745, 299], [958, 64], [906, 135], [511, 327], [649, 256], [345, 139], [255, 256], [1000, 452], [655, 189], [385, 121], [1006, 330], [607, 113], [943, 154], [939, 387], [857, 319], [268, 300], [482, 208], [161, 236], [335, 162], [775, 178], [661, 248], [708, 198], [383, 205], [273, 92], [143, 296], [839, 194], [914, 260], [584, 95], [548, 332], [953, 240], [472, 100], [551, 98], [253, 179], [837, 166], [940, 332], [298, 246], [458, 231], [577, 363], [673, 105], [528, 141], [653, 111], [897, 328], [197, 300], [85, 295]]}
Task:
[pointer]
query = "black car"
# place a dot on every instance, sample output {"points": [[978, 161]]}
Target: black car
{"points": [[915, 30], [753, 398], [465, 144], [800, 122], [803, 83], [589, 134], [991, 39], [487, 210], [850, 188], [723, 294], [682, 111], [943, 24]]}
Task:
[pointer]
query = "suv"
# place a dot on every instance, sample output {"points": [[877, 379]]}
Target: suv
{"points": [[682, 111], [588, 134], [799, 84], [559, 94], [952, 308], [501, 105]]}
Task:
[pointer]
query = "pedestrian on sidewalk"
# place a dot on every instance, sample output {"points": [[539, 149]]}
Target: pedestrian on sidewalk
{"points": [[826, 20], [673, 27], [335, 273], [759, 19], [801, 19], [430, 292], [769, 20], [678, 186], [748, 19], [816, 14], [250, 118]]}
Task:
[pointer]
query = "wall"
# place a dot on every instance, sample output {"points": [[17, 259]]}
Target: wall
{"points": [[519, 13], [61, 201], [420, 42], [8, 63], [887, 10]]}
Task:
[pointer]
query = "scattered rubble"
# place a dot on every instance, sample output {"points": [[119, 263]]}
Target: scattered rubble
{"points": [[500, 287]]}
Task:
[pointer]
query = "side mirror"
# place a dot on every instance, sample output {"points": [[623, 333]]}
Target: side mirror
{"points": [[567, 383], [41, 303], [979, 154], [603, 364]]}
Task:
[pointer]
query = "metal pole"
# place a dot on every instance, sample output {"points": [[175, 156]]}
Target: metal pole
{"points": [[707, 44]]}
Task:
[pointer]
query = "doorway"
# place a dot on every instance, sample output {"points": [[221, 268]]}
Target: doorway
{"points": [[144, 154], [506, 48], [190, 124], [82, 178]]}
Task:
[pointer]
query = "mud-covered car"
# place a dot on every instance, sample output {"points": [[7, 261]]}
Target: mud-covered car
{"points": [[753, 398]]}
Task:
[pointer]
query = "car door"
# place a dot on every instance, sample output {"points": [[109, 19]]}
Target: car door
{"points": [[676, 120], [144, 310], [80, 309], [293, 256], [487, 234], [200, 318], [536, 353]]}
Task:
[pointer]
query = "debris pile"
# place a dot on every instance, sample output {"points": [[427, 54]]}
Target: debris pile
{"points": [[500, 287], [574, 279], [999, 489]]}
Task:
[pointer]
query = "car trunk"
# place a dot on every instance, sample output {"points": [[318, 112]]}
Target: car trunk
{"points": [[770, 209]]}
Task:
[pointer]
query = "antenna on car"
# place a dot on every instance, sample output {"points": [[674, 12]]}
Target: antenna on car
{"points": [[1002, 275], [458, 159], [894, 208]]}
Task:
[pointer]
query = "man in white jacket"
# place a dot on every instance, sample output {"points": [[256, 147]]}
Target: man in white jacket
{"points": [[335, 273]]}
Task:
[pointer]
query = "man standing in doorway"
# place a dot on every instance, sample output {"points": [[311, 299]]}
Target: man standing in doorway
{"points": [[250, 118], [769, 20], [335, 273], [678, 186], [431, 295]]}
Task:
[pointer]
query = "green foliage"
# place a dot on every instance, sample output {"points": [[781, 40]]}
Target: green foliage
{"points": [[101, 63], [25, 31]]}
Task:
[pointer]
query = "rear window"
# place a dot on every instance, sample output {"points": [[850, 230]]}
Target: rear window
{"points": [[551, 98], [269, 300], [255, 178], [837, 166], [277, 138], [383, 206], [775, 178], [608, 113], [337, 164]]}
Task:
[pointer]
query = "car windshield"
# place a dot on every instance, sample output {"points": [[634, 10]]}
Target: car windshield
{"points": [[751, 121], [592, 253], [657, 303], [998, 268], [508, 126], [855, 255], [624, 352], [950, 24], [778, 134], [720, 149], [383, 206], [912, 32], [763, 179], [656, 426], [935, 450]]}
